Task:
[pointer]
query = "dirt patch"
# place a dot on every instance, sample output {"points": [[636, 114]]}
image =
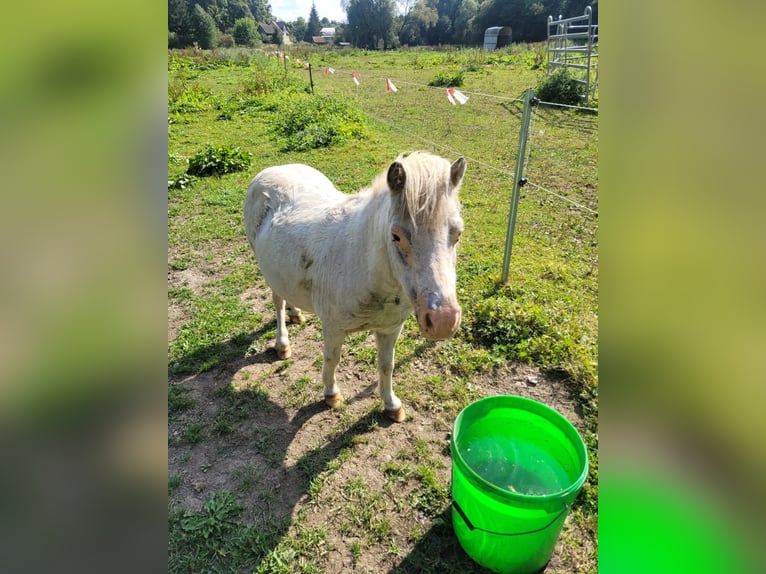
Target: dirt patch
{"points": [[377, 492]]}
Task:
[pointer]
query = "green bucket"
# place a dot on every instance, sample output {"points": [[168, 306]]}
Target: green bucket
{"points": [[517, 466]]}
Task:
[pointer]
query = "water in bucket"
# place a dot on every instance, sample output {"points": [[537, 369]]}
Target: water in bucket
{"points": [[515, 465]]}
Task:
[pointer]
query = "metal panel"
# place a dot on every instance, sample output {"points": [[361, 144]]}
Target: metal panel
{"points": [[572, 41]]}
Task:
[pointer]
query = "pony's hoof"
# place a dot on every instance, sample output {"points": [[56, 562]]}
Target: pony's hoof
{"points": [[283, 353], [396, 415], [297, 319], [333, 401]]}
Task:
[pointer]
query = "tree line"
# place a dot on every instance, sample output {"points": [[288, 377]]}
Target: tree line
{"points": [[370, 24]]}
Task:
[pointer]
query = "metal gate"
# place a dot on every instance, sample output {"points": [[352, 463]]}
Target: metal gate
{"points": [[573, 44]]}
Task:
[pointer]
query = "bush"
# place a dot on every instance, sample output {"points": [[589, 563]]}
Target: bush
{"points": [[451, 79], [310, 122], [218, 160], [225, 40], [245, 32], [561, 88]]}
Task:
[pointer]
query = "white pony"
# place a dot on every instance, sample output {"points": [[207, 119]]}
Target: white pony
{"points": [[362, 261]]}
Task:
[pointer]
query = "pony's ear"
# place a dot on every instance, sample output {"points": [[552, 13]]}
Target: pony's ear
{"points": [[396, 177], [457, 171]]}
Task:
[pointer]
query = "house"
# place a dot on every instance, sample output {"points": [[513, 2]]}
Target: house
{"points": [[285, 35], [269, 31], [327, 37]]}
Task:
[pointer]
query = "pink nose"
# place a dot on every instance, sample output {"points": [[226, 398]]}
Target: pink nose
{"points": [[441, 322]]}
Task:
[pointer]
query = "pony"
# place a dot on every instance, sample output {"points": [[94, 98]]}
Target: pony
{"points": [[362, 261]]}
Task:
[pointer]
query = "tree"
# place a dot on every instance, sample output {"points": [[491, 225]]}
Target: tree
{"points": [[528, 18], [203, 28], [297, 29], [179, 24], [261, 10], [245, 32], [415, 25], [370, 22], [314, 27]]}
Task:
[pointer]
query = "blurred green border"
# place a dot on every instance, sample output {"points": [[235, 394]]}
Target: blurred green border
{"points": [[683, 274]]}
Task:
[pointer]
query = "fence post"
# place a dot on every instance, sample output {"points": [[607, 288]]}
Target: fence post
{"points": [[518, 180], [311, 79]]}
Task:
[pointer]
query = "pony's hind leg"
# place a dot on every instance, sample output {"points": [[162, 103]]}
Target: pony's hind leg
{"points": [[282, 343], [294, 315]]}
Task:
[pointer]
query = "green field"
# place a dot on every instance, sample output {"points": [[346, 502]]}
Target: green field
{"points": [[262, 477]]}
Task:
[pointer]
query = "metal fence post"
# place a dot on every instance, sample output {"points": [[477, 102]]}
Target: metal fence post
{"points": [[518, 180]]}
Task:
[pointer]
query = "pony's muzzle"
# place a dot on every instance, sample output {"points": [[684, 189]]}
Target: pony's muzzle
{"points": [[440, 320]]}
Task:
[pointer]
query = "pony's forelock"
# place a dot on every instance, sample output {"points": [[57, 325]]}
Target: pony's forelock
{"points": [[427, 183]]}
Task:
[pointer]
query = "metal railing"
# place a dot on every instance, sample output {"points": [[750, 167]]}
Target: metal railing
{"points": [[573, 44]]}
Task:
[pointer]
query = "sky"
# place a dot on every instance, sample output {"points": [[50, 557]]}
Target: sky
{"points": [[290, 10]]}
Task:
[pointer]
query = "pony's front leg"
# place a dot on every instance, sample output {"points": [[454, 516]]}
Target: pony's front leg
{"points": [[282, 343], [385, 342], [333, 342]]}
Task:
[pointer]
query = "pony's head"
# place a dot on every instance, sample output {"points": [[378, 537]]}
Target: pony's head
{"points": [[425, 228]]}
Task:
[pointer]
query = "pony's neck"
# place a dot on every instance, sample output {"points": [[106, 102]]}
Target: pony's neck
{"points": [[377, 225]]}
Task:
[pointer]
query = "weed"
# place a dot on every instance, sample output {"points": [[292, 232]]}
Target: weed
{"points": [[218, 160], [178, 399], [356, 551], [309, 122], [453, 78], [432, 496], [249, 477], [174, 481], [213, 540], [193, 433], [560, 87]]}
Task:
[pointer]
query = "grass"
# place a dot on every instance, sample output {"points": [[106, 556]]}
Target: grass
{"points": [[546, 316]]}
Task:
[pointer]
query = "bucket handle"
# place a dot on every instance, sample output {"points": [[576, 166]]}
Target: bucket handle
{"points": [[471, 526]]}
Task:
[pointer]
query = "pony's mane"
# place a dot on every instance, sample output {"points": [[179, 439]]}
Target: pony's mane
{"points": [[427, 182]]}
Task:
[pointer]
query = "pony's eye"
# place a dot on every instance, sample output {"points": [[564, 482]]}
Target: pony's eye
{"points": [[395, 237]]}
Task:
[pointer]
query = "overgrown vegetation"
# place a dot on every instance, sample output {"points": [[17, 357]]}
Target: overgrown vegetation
{"points": [[448, 79], [310, 122], [218, 160], [560, 87]]}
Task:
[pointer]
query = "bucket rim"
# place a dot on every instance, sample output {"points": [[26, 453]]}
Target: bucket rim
{"points": [[530, 405]]}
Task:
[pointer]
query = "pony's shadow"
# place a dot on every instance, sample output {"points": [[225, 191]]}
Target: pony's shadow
{"points": [[251, 446], [439, 551]]}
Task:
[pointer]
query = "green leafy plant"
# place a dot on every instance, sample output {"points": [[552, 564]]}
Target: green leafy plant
{"points": [[451, 79], [560, 87], [310, 122], [213, 539], [184, 99], [181, 182], [218, 160]]}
